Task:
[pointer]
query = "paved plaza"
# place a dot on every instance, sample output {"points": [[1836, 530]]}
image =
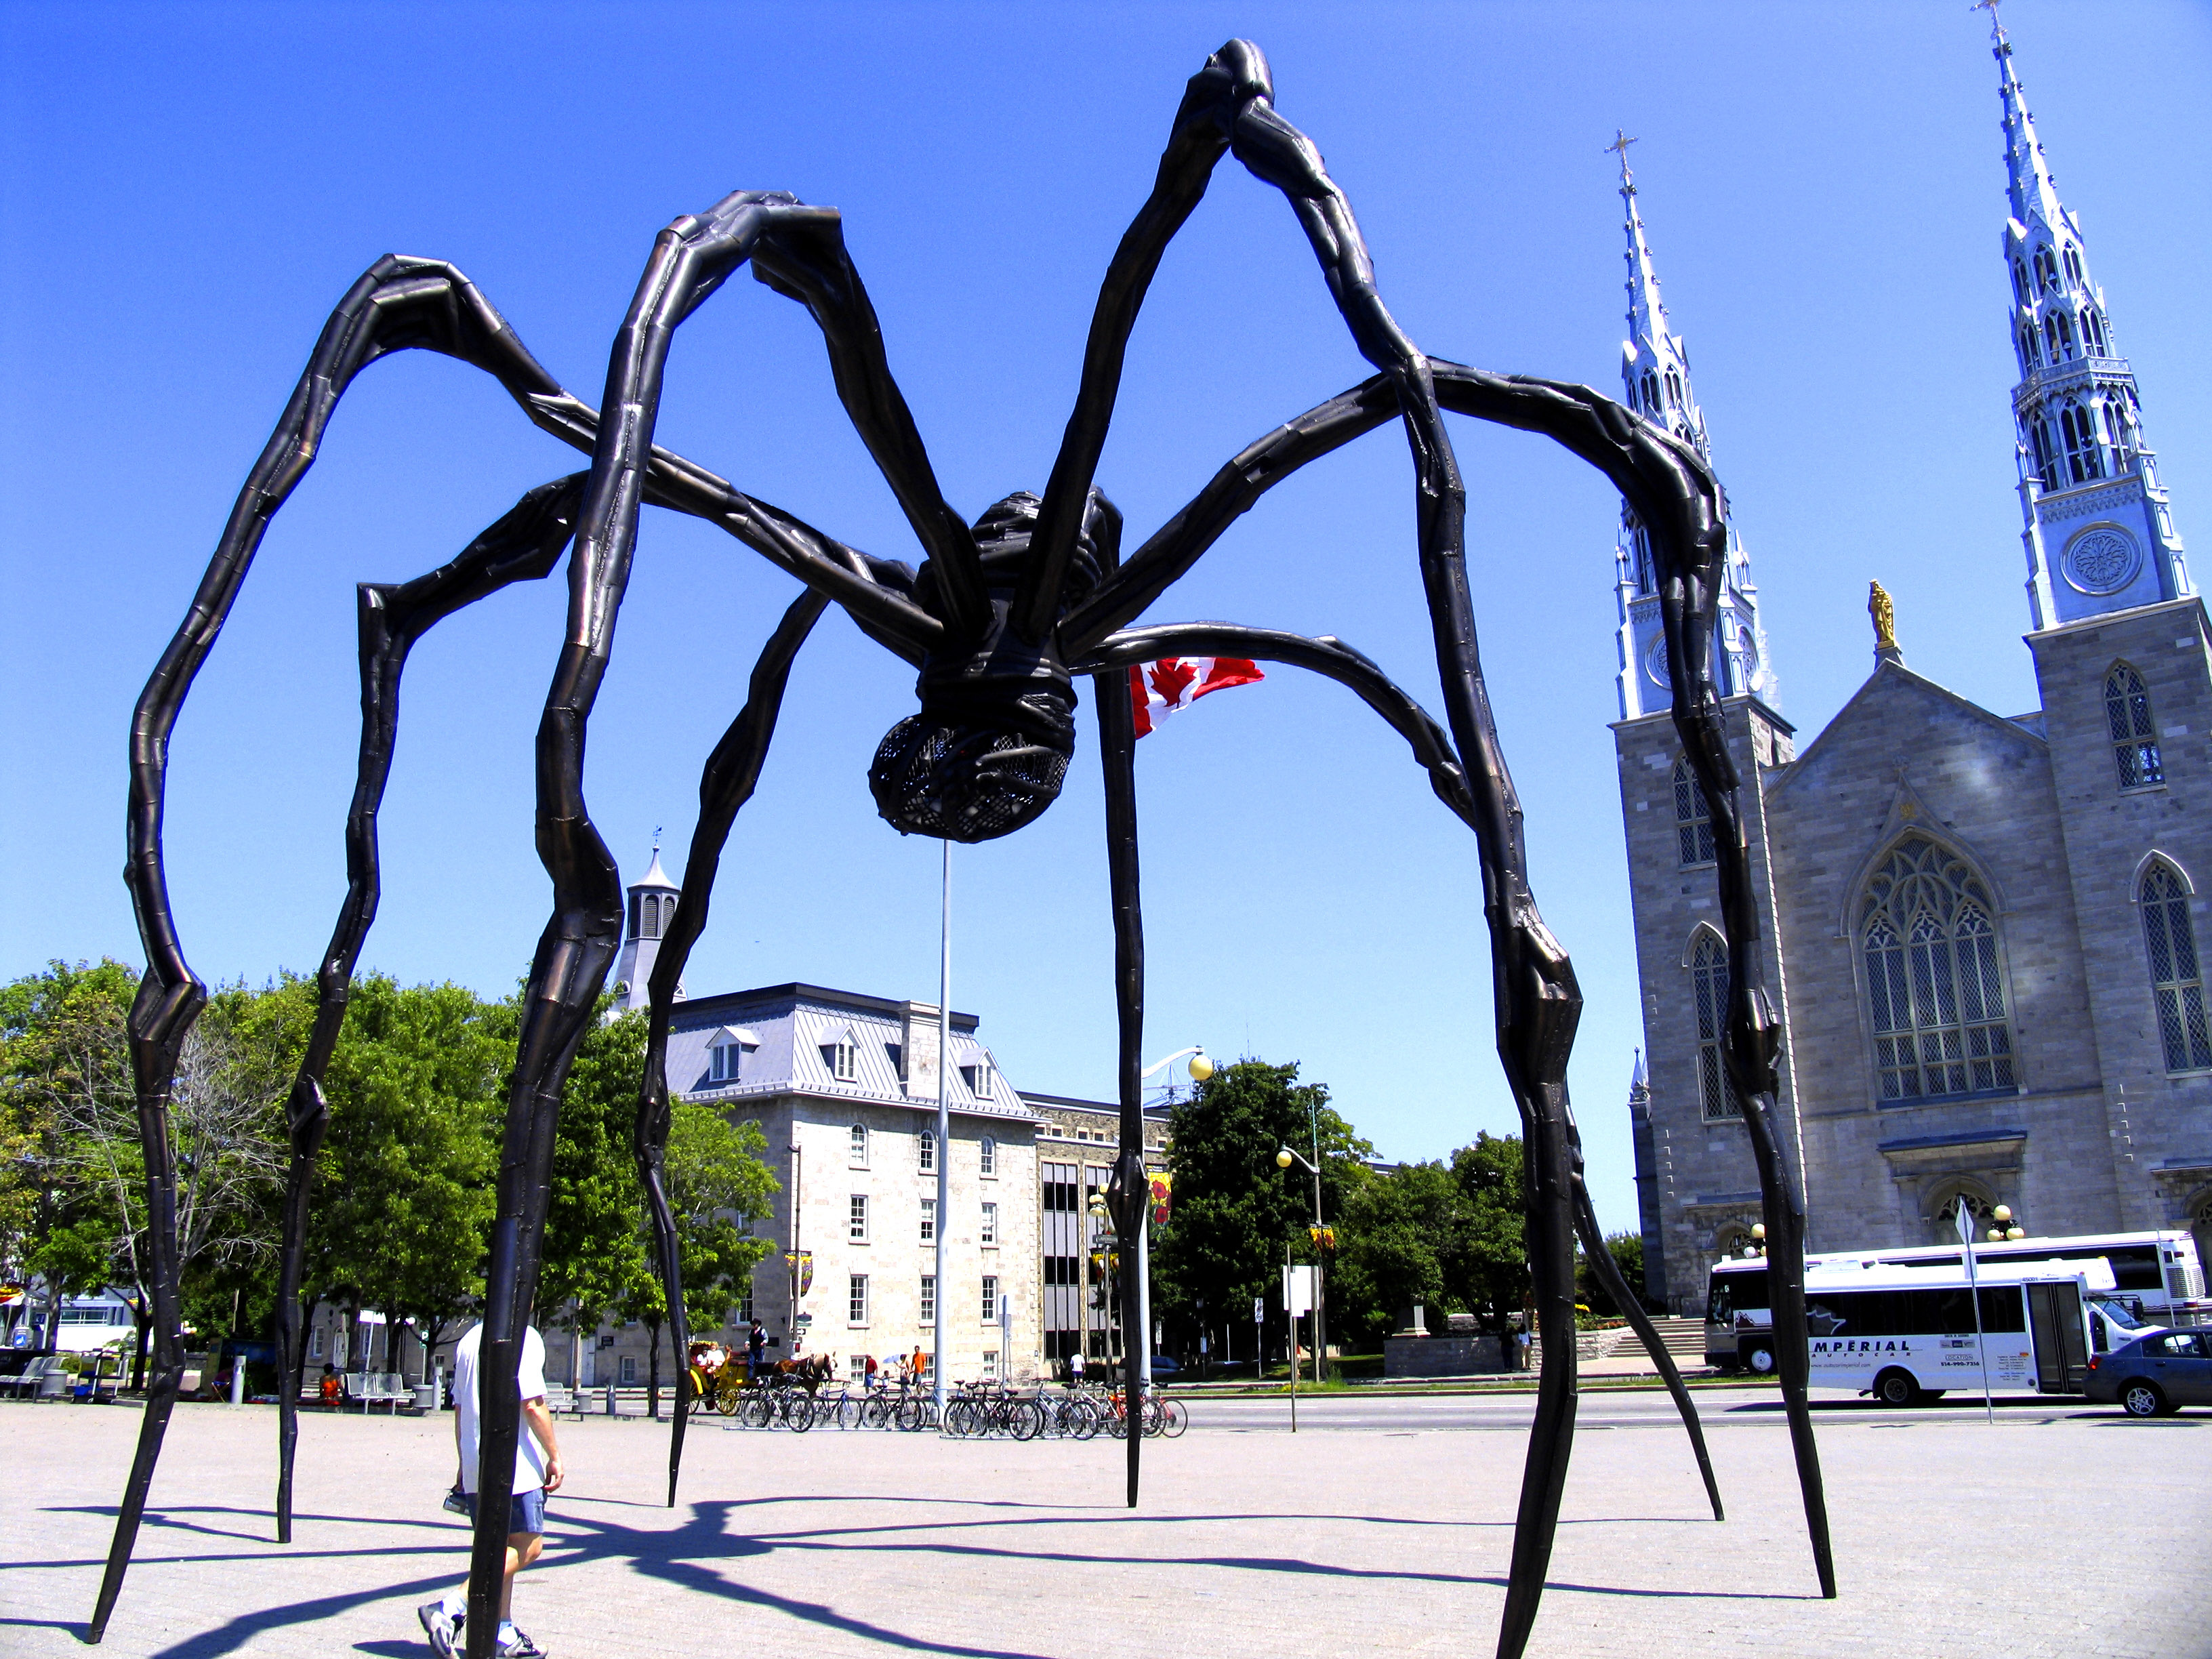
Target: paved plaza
{"points": [[1383, 1526]]}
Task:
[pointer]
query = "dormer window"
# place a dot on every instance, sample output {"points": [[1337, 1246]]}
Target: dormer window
{"points": [[978, 1079], [841, 1055], [896, 1051], [725, 1053]]}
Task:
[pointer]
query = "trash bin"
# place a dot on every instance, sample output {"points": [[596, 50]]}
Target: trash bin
{"points": [[426, 1396]]}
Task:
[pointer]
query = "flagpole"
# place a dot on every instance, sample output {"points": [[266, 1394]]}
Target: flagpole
{"points": [[943, 1122]]}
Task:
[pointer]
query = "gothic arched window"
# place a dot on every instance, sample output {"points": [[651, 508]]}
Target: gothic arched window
{"points": [[2092, 331], [2116, 427], [2059, 336], [2046, 268], [2134, 731], [2072, 256], [2046, 455], [1945, 1214], [2030, 359], [2019, 281], [1651, 392], [1709, 986], [2177, 980], [1935, 987], [1674, 390], [1693, 819], [2082, 459]]}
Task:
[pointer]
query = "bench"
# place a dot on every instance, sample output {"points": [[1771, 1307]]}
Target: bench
{"points": [[376, 1388], [30, 1382]]}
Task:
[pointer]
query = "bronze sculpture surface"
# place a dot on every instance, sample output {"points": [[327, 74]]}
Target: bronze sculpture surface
{"points": [[999, 620]]}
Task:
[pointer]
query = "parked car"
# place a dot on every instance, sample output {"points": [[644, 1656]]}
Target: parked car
{"points": [[1163, 1369], [2154, 1374]]}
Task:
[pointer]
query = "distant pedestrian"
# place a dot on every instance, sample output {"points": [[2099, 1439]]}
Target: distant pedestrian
{"points": [[538, 1471], [1075, 1369], [331, 1389], [916, 1365], [756, 1350]]}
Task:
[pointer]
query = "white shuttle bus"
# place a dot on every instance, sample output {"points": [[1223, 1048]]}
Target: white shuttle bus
{"points": [[2157, 1280], [1909, 1334]]}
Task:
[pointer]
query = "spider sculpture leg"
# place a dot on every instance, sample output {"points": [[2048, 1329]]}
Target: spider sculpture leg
{"points": [[522, 546], [1228, 107], [398, 304], [1432, 748], [733, 771], [1129, 1189], [690, 261]]}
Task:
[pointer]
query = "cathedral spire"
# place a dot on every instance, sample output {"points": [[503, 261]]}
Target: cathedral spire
{"points": [[2097, 530], [1655, 378]]}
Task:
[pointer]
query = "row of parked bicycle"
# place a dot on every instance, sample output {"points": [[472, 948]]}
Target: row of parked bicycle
{"points": [[974, 1411]]}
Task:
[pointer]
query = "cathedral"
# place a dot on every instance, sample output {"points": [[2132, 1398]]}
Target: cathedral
{"points": [[1980, 929]]}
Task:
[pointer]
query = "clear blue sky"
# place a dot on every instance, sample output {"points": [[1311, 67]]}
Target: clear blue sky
{"points": [[188, 190]]}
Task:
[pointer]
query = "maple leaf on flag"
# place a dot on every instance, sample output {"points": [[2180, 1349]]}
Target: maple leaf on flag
{"points": [[1157, 689]]}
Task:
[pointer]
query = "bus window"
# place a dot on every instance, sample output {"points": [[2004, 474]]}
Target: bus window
{"points": [[2004, 1309], [1733, 1293], [2134, 1267]]}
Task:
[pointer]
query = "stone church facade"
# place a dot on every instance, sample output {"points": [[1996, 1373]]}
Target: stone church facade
{"points": [[1981, 931]]}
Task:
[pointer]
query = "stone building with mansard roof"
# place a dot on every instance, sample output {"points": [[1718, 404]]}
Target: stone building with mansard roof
{"points": [[1982, 930]]}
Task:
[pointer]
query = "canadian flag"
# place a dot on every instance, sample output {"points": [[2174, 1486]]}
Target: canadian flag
{"points": [[1157, 689]]}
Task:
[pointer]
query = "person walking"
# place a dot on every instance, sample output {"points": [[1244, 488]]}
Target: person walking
{"points": [[538, 1471], [1075, 1369]]}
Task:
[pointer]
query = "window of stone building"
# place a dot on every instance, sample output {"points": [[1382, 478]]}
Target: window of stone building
{"points": [[928, 1149], [2046, 268], [1693, 819], [986, 1231], [2019, 281], [929, 1221], [2083, 461], [2072, 258], [2030, 359], [990, 1365], [987, 1157], [2200, 1226], [315, 1343], [990, 1298], [2134, 731], [2176, 978], [745, 1313], [2047, 475], [1709, 986], [856, 1226], [860, 1139], [929, 1298], [1946, 1213], [856, 1299], [1934, 984], [725, 1060], [844, 1062]]}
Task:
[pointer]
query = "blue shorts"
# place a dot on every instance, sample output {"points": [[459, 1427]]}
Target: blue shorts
{"points": [[526, 1510]]}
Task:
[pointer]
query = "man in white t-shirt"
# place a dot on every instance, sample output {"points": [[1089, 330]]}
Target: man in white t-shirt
{"points": [[538, 1471]]}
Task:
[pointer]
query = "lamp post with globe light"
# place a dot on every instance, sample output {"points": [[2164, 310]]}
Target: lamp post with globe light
{"points": [[1322, 1237], [1200, 1068], [2004, 1228]]}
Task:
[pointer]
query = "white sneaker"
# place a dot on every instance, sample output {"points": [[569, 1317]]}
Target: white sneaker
{"points": [[439, 1626]]}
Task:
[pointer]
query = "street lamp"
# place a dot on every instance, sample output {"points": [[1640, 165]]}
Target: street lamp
{"points": [[1284, 1158], [1200, 1068], [2004, 1228]]}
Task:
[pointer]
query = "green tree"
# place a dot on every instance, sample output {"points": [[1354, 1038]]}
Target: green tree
{"points": [[65, 1063], [1488, 1273], [1627, 1252], [1397, 1232], [404, 1188], [1235, 1210]]}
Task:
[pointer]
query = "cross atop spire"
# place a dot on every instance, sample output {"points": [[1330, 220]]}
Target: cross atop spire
{"points": [[1996, 23], [1620, 142]]}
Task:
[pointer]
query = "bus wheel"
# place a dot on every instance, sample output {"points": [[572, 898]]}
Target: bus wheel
{"points": [[1761, 1361], [2142, 1399], [1895, 1388]]}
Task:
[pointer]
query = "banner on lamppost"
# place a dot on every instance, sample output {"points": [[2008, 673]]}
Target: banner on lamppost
{"points": [[1298, 1290], [802, 1263], [1162, 1185]]}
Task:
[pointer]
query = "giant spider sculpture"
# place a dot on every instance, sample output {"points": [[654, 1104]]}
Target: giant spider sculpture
{"points": [[1000, 619]]}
